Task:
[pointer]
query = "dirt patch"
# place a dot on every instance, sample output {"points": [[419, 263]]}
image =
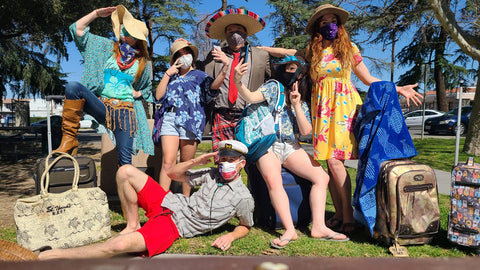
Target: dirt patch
{"points": [[16, 179]]}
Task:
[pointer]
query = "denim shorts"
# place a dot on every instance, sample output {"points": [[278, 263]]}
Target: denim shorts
{"points": [[283, 149], [169, 128]]}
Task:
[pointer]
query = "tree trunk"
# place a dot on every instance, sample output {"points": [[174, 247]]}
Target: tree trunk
{"points": [[472, 142], [442, 104]]}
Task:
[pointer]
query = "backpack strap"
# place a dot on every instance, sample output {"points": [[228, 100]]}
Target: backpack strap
{"points": [[279, 103]]}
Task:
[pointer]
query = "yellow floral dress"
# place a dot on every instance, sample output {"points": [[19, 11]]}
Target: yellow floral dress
{"points": [[334, 107]]}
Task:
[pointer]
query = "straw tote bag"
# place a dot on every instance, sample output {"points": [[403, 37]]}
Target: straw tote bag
{"points": [[72, 218]]}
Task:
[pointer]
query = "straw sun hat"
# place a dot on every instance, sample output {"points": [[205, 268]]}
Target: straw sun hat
{"points": [[180, 44], [324, 10], [134, 27], [215, 27]]}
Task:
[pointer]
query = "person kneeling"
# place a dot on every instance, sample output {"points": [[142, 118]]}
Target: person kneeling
{"points": [[221, 196]]}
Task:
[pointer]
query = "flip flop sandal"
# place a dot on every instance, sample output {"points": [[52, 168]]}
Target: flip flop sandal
{"points": [[332, 238], [273, 245]]}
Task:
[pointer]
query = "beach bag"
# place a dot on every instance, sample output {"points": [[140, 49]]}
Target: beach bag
{"points": [[76, 217], [407, 205], [257, 127]]}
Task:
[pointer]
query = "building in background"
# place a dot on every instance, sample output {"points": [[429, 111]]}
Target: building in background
{"points": [[453, 96]]}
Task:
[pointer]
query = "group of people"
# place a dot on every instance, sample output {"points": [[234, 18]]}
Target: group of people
{"points": [[320, 99]]}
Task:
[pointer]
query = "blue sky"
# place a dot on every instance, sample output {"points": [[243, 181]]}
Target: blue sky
{"points": [[74, 69]]}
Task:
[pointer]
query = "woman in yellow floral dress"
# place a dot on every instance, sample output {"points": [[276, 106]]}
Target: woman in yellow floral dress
{"points": [[335, 100]]}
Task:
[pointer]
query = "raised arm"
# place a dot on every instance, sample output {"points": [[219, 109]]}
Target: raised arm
{"points": [[178, 171], [304, 125], [278, 52], [407, 91], [219, 55], [162, 86], [83, 22], [250, 97]]}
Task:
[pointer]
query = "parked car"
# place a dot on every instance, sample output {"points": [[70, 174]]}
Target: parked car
{"points": [[447, 123], [414, 118], [56, 121]]}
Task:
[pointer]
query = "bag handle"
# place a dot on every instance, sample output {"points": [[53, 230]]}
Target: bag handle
{"points": [[45, 180]]}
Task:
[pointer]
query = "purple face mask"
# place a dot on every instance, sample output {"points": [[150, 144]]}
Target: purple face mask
{"points": [[329, 31]]}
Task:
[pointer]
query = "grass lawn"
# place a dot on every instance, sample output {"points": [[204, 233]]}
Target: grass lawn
{"points": [[438, 153]]}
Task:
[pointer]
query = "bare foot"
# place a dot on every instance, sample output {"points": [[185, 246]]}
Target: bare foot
{"points": [[328, 233]]}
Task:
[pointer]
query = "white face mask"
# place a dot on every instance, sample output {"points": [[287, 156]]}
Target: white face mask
{"points": [[228, 170], [186, 60]]}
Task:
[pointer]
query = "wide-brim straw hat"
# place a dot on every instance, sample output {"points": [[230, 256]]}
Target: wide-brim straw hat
{"points": [[180, 44], [134, 27], [10, 251], [215, 27], [324, 10]]}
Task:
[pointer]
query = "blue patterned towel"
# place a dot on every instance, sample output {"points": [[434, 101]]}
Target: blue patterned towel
{"points": [[382, 135]]}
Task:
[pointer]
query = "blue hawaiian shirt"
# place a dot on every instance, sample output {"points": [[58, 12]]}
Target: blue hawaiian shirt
{"points": [[189, 94], [288, 127]]}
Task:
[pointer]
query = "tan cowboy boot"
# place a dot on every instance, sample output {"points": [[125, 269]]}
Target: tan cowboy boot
{"points": [[72, 113]]}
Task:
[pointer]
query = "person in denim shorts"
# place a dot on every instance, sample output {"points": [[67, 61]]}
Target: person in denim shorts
{"points": [[286, 151]]}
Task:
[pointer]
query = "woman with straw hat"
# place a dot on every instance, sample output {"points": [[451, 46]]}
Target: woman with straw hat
{"points": [[334, 101], [116, 76], [183, 93]]}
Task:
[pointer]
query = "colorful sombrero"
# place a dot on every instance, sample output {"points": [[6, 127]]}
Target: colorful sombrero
{"points": [[215, 27]]}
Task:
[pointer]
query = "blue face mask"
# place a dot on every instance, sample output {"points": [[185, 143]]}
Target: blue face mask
{"points": [[329, 31]]}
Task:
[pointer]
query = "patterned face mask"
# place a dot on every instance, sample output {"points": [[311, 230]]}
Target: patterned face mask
{"points": [[236, 38], [228, 170], [127, 53]]}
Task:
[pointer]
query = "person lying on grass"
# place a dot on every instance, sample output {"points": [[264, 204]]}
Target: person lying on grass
{"points": [[221, 196]]}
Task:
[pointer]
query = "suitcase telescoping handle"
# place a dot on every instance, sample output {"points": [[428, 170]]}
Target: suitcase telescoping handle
{"points": [[45, 180], [49, 100]]}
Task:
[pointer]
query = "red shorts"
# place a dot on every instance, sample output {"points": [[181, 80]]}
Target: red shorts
{"points": [[159, 232]]}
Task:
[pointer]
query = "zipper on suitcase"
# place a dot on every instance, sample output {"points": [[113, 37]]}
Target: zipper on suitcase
{"points": [[465, 183], [464, 230]]}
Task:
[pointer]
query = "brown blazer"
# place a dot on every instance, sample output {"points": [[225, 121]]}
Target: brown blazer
{"points": [[260, 72]]}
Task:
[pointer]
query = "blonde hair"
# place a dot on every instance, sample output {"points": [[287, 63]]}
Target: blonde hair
{"points": [[142, 57], [342, 49]]}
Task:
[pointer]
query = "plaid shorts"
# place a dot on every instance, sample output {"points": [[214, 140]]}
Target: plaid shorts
{"points": [[223, 129]]}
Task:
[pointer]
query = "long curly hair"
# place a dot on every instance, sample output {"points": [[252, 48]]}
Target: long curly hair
{"points": [[142, 57], [342, 48]]}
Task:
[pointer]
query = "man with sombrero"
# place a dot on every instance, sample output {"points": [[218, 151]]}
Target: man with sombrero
{"points": [[220, 197], [233, 26], [116, 77]]}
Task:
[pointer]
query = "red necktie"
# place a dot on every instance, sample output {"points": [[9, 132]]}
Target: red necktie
{"points": [[233, 92]]}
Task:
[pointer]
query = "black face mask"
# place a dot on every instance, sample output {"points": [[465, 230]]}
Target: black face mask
{"points": [[287, 79]]}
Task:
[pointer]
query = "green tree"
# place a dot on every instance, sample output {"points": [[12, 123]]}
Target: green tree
{"points": [[32, 43], [465, 30], [289, 21]]}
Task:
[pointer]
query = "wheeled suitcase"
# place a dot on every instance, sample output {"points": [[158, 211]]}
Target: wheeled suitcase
{"points": [[61, 174], [407, 204], [464, 218], [298, 192]]}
